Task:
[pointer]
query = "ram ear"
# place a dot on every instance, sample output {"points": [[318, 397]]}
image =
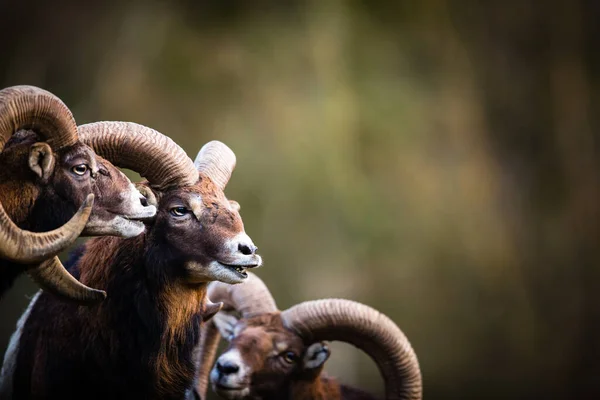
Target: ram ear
{"points": [[315, 356], [145, 190], [225, 322], [41, 160], [234, 205], [210, 310]]}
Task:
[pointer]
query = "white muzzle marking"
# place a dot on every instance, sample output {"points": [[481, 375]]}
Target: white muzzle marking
{"points": [[234, 384]]}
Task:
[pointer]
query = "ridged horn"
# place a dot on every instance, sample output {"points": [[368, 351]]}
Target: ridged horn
{"points": [[250, 298], [148, 152], [367, 329], [33, 247], [29, 107], [216, 161], [52, 276]]}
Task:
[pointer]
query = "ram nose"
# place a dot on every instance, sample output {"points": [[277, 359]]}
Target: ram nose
{"points": [[148, 210], [142, 207], [244, 245], [230, 373], [239, 254], [227, 367], [247, 249]]}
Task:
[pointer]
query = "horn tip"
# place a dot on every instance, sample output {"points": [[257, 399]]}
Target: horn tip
{"points": [[93, 296], [89, 200], [218, 144], [89, 297], [211, 309]]}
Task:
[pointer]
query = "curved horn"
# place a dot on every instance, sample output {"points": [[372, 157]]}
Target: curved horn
{"points": [[52, 276], [367, 329], [250, 298], [33, 247], [216, 161], [28, 107], [150, 153]]}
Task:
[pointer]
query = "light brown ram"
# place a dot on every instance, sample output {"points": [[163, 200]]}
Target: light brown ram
{"points": [[280, 355]]}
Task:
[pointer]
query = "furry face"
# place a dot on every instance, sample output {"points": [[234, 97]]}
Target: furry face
{"points": [[262, 358], [205, 233]]}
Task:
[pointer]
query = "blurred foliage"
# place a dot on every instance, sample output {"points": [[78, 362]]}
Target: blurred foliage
{"points": [[435, 159]]}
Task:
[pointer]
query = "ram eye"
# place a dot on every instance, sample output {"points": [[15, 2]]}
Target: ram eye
{"points": [[179, 211], [80, 169], [290, 357]]}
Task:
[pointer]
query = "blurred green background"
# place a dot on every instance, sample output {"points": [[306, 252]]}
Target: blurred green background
{"points": [[435, 159]]}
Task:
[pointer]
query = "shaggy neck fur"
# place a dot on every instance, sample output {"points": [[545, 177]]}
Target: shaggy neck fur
{"points": [[165, 310], [138, 343]]}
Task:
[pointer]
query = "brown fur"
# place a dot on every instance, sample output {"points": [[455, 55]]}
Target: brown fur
{"points": [[320, 387], [18, 207], [180, 304]]}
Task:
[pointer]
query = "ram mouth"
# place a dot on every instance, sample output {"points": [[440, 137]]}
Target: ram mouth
{"points": [[240, 270], [133, 220], [129, 227], [141, 216], [223, 387], [137, 219], [230, 390]]}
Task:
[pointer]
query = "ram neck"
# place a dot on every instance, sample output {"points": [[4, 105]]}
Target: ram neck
{"points": [[352, 393], [325, 387], [319, 388], [158, 316], [112, 264]]}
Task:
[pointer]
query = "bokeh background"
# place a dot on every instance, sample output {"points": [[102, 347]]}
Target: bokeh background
{"points": [[435, 159]]}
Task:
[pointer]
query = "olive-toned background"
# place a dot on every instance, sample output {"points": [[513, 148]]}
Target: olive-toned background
{"points": [[435, 159]]}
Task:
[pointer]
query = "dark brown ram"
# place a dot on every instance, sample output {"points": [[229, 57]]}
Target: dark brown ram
{"points": [[141, 341], [280, 355], [47, 171]]}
